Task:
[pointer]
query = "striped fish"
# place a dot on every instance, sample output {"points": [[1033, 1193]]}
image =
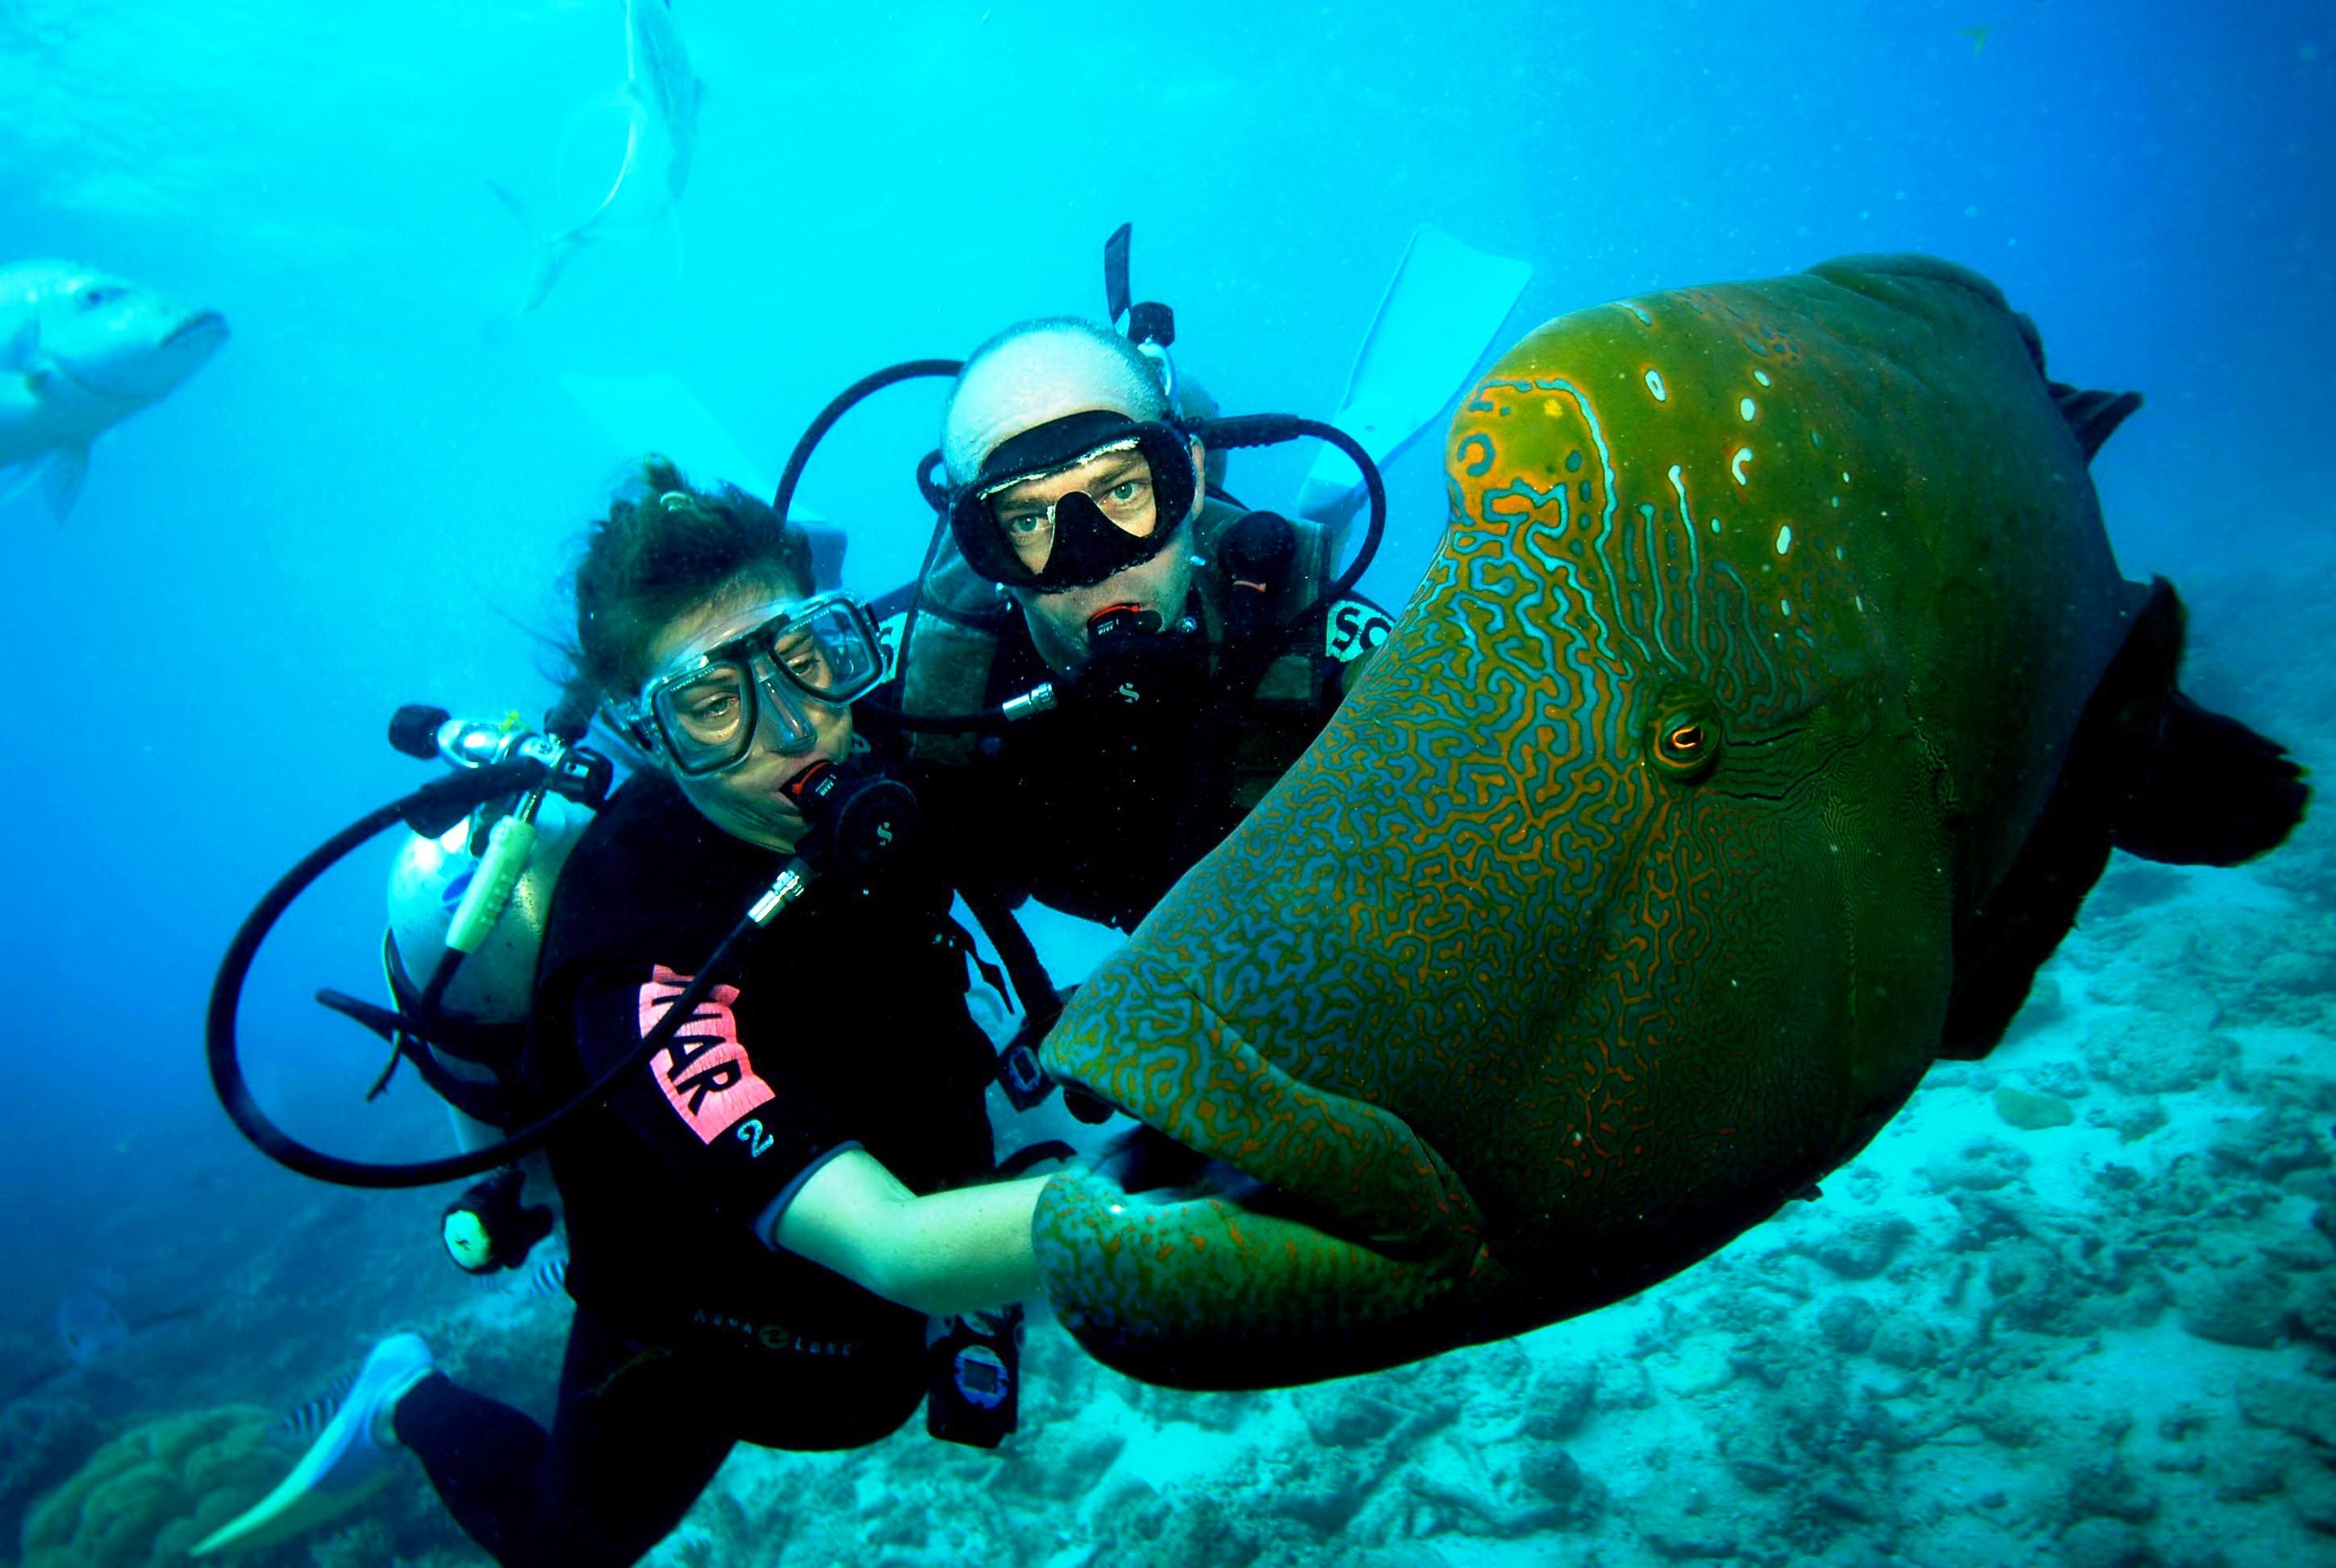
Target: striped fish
{"points": [[547, 1276], [300, 1425]]}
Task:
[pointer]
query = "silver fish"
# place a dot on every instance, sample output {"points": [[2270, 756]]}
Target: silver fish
{"points": [[660, 97], [79, 353]]}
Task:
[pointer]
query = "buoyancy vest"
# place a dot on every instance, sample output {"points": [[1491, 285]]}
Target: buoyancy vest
{"points": [[960, 618]]}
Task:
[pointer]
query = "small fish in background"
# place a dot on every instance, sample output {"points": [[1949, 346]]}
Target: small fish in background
{"points": [[1978, 34], [546, 1276], [300, 1425], [660, 101], [79, 353], [91, 1334], [89, 1329], [105, 1280]]}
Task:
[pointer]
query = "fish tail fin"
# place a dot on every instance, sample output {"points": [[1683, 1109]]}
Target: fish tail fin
{"points": [[549, 263], [2149, 772], [552, 255], [2093, 417], [2210, 790]]}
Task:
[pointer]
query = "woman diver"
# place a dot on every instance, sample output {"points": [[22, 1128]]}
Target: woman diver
{"points": [[762, 1221]]}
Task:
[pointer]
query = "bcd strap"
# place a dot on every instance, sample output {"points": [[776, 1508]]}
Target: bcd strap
{"points": [[499, 1100], [1019, 1073], [953, 630], [948, 627]]}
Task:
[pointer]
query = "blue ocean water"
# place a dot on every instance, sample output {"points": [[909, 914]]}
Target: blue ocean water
{"points": [[369, 497]]}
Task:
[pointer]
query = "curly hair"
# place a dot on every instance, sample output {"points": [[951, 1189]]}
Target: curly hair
{"points": [[664, 548]]}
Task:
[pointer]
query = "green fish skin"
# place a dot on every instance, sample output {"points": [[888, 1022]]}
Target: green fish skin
{"points": [[1770, 704]]}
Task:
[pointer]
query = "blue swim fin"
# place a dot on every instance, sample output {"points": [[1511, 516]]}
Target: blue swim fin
{"points": [[1442, 307], [661, 413], [343, 1467]]}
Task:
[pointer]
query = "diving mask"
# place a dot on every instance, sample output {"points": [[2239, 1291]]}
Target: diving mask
{"points": [[776, 664], [1137, 483]]}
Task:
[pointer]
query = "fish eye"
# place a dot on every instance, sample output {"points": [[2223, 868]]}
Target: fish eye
{"points": [[1684, 742], [93, 297]]}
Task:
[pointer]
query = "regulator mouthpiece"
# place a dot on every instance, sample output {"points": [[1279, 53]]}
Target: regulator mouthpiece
{"points": [[1122, 619], [860, 817]]}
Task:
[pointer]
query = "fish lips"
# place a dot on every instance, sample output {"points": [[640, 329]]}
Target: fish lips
{"points": [[129, 374], [202, 332]]}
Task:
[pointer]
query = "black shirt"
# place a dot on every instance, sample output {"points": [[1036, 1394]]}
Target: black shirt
{"points": [[843, 1024], [1090, 812], [1097, 811]]}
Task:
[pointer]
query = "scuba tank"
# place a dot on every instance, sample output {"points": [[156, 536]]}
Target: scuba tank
{"points": [[484, 1011], [473, 1028], [427, 880]]}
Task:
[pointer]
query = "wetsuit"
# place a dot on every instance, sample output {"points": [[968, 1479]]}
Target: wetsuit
{"points": [[844, 1026]]}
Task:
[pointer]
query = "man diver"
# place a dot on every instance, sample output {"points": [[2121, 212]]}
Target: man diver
{"points": [[1186, 637]]}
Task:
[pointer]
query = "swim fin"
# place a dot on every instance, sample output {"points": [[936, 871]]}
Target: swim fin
{"points": [[661, 414], [343, 1467], [1443, 307]]}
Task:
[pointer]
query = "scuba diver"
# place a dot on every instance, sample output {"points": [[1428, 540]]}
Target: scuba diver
{"points": [[1102, 638], [1190, 642], [767, 1213]]}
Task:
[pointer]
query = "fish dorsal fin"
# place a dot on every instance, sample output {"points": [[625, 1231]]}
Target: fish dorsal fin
{"points": [[2093, 417]]}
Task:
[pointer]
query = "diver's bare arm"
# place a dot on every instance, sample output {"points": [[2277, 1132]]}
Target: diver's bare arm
{"points": [[957, 1251]]}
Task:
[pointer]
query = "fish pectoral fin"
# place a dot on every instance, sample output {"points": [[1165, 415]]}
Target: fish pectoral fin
{"points": [[20, 395], [2149, 772], [61, 476], [58, 473]]}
